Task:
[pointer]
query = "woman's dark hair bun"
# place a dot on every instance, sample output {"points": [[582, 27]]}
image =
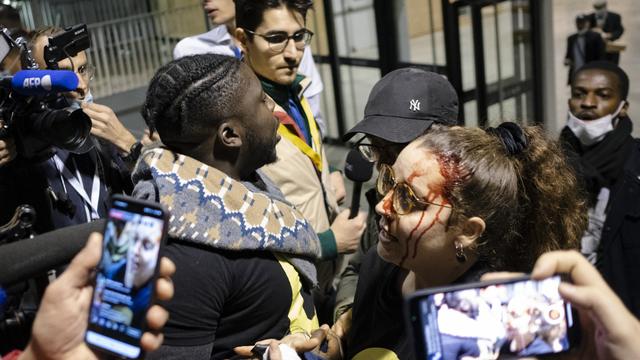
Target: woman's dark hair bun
{"points": [[512, 137]]}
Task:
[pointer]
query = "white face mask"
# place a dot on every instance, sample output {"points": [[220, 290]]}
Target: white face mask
{"points": [[75, 103], [590, 132]]}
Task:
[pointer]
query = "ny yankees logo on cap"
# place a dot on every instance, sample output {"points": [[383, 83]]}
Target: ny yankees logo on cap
{"points": [[414, 105]]}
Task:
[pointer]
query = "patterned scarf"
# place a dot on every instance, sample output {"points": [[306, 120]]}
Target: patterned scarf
{"points": [[208, 207]]}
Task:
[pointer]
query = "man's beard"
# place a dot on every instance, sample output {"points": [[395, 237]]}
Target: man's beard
{"points": [[261, 152]]}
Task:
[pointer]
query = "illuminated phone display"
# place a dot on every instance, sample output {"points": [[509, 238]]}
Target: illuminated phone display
{"points": [[508, 319], [125, 279]]}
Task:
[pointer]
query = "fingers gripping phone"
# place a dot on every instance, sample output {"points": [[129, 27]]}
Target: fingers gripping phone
{"points": [[134, 233], [513, 318]]}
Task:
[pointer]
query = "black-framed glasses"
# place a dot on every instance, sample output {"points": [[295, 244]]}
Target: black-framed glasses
{"points": [[278, 40], [404, 200]]}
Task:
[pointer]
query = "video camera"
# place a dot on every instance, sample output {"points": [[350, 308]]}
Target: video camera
{"points": [[33, 110], [36, 115]]}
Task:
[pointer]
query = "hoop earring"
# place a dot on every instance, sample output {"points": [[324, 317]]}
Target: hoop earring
{"points": [[460, 255]]}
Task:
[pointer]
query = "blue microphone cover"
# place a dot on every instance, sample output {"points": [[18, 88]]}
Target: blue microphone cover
{"points": [[43, 82]]}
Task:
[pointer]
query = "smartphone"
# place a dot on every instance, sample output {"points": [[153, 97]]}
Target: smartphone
{"points": [[134, 234], [509, 318]]}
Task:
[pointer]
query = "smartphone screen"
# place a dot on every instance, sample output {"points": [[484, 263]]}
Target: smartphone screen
{"points": [[510, 319], [124, 285]]}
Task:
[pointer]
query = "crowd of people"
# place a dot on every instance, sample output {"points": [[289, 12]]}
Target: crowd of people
{"points": [[257, 240]]}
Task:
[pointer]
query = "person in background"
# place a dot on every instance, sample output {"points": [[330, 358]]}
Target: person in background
{"points": [[273, 38], [221, 40], [64, 187], [583, 47], [606, 157], [609, 24]]}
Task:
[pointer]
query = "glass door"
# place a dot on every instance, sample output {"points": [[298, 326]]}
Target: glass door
{"points": [[490, 60]]}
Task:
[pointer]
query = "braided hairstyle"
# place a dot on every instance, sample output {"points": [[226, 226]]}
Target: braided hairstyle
{"points": [[188, 98], [519, 183]]}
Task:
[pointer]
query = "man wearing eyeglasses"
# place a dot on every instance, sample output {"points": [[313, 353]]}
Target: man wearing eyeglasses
{"points": [[71, 188], [273, 36], [403, 105], [220, 40]]}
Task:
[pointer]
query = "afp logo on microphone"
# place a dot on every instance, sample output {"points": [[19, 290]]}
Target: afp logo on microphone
{"points": [[37, 82]]}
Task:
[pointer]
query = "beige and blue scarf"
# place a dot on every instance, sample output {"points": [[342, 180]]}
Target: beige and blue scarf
{"points": [[208, 207]]}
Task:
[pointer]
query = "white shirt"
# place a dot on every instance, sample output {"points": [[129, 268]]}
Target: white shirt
{"points": [[218, 41], [597, 216], [215, 41]]}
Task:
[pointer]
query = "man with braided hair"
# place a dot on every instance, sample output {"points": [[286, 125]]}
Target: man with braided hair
{"points": [[244, 255]]}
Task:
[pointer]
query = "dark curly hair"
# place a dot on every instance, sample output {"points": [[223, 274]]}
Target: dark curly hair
{"points": [[528, 198], [189, 97], [249, 12]]}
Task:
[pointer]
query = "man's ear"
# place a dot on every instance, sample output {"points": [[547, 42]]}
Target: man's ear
{"points": [[241, 39], [625, 109], [471, 230], [230, 134]]}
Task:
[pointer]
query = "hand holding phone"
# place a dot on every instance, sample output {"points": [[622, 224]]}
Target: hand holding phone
{"points": [[61, 320], [133, 235], [610, 330]]}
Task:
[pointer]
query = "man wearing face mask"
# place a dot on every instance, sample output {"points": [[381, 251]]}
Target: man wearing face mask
{"points": [[68, 188], [607, 159]]}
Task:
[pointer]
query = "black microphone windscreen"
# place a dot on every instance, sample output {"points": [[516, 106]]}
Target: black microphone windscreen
{"points": [[24, 259], [357, 168]]}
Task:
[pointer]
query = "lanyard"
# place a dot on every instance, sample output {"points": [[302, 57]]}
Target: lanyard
{"points": [[315, 150], [90, 204]]}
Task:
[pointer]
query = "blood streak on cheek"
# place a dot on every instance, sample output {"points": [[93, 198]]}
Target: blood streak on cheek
{"points": [[387, 205], [436, 219], [408, 241]]}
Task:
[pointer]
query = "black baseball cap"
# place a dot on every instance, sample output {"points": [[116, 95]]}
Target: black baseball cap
{"points": [[405, 103]]}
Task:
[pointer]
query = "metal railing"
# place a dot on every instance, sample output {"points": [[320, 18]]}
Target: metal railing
{"points": [[37, 13], [126, 52]]}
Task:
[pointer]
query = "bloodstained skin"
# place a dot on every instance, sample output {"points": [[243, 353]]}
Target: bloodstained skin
{"points": [[387, 205], [450, 171], [406, 250]]}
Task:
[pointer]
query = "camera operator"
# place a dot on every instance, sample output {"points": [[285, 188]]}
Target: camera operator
{"points": [[64, 187], [105, 123]]}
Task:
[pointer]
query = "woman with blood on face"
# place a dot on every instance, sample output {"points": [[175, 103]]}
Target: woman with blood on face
{"points": [[458, 203]]}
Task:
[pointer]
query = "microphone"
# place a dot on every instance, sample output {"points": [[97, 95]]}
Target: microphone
{"points": [[41, 82], [359, 170], [24, 259]]}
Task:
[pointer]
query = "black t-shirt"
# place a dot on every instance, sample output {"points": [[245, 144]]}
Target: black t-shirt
{"points": [[378, 326], [225, 298]]}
